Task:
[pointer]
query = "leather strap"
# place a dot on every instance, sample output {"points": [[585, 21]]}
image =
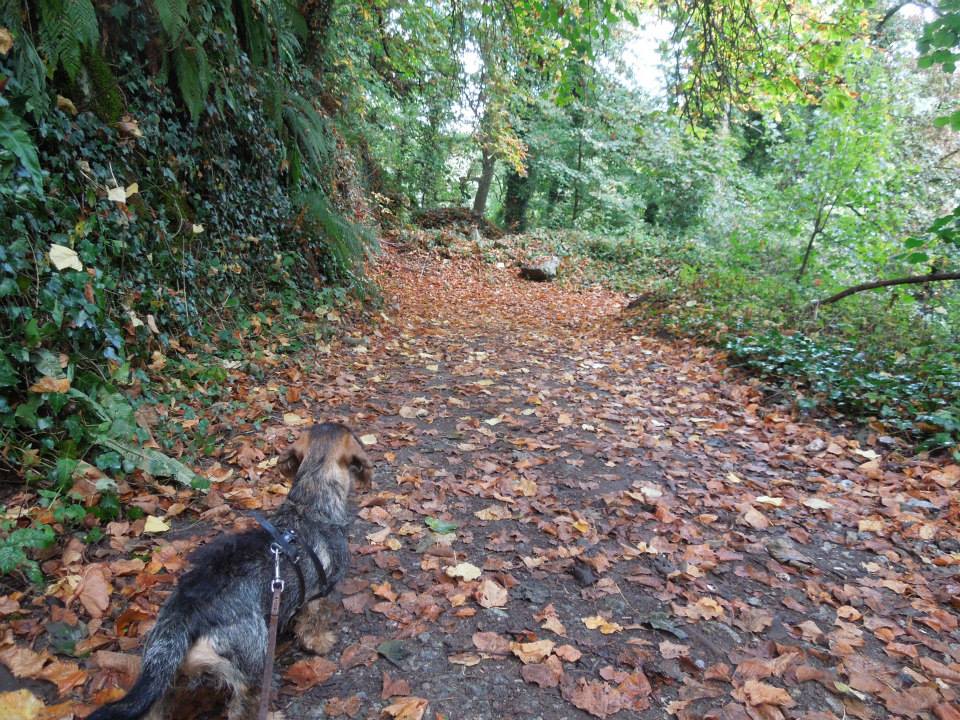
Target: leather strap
{"points": [[266, 686]]}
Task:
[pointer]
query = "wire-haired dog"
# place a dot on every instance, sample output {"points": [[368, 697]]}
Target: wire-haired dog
{"points": [[215, 621]]}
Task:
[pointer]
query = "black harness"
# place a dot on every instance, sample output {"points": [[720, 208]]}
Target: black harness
{"points": [[286, 540]]}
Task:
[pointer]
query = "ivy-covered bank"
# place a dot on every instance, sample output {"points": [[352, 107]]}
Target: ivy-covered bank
{"points": [[164, 198]]}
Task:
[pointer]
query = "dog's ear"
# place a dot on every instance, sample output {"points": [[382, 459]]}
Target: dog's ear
{"points": [[289, 461], [355, 461]]}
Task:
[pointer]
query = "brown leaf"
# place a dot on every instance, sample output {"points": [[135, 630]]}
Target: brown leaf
{"points": [[361, 653], [597, 698], [407, 708], [945, 711], [542, 674], [911, 702], [305, 674], [340, 707], [94, 590], [23, 662], [392, 687], [490, 594], [753, 620], [48, 384], [65, 675], [490, 642], [755, 693], [568, 653], [938, 669]]}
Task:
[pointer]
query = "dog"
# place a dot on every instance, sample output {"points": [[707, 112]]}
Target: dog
{"points": [[215, 623]]}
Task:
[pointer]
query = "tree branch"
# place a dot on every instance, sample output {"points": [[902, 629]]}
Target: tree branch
{"points": [[910, 280]]}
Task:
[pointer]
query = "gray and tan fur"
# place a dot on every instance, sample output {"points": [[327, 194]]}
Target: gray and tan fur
{"points": [[215, 622]]}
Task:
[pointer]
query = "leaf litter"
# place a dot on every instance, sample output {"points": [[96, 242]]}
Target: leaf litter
{"points": [[568, 520]]}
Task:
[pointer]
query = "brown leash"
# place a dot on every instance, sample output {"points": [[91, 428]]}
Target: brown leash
{"points": [[267, 684]]}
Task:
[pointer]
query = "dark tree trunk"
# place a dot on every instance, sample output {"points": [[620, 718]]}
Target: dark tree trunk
{"points": [[488, 164], [515, 201], [576, 187]]}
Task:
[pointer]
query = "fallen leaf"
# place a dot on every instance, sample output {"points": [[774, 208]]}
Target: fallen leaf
{"points": [[596, 622], [94, 590], [466, 659], [464, 570], [23, 662], [20, 705], [393, 686], [532, 652], [597, 698], [155, 525], [48, 384], [407, 708], [568, 653], [305, 674], [368, 440], [672, 651], [491, 642], [490, 594], [64, 258], [754, 692], [342, 707]]}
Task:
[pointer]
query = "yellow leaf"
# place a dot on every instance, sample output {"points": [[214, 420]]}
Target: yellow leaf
{"points": [[117, 194], [368, 439], [155, 525], [6, 41], [20, 705], [596, 622], [464, 570], [66, 104], [294, 420], [767, 500], [63, 257], [197, 229], [816, 503]]}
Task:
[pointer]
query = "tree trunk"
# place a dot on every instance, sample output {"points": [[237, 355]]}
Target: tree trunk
{"points": [[576, 187], [515, 200], [488, 164]]}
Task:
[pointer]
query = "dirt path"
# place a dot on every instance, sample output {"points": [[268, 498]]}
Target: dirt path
{"points": [[665, 545], [650, 539]]}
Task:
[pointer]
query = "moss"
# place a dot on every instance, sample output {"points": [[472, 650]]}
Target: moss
{"points": [[105, 99]]}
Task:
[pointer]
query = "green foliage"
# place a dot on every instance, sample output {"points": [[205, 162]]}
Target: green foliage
{"points": [[67, 28]]}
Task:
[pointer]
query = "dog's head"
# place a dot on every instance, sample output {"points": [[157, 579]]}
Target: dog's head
{"points": [[328, 453]]}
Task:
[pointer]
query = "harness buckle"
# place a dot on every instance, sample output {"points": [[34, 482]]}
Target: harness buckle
{"points": [[277, 583]]}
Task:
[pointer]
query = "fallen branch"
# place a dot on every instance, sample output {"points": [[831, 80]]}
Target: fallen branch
{"points": [[910, 280]]}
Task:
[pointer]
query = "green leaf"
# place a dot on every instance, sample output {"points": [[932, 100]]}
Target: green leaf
{"points": [[153, 462], [441, 527]]}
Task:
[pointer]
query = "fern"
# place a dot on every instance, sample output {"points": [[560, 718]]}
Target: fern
{"points": [[28, 67], [66, 28], [193, 77], [173, 16], [344, 242], [308, 129]]}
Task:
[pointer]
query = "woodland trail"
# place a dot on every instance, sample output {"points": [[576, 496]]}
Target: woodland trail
{"points": [[651, 539]]}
